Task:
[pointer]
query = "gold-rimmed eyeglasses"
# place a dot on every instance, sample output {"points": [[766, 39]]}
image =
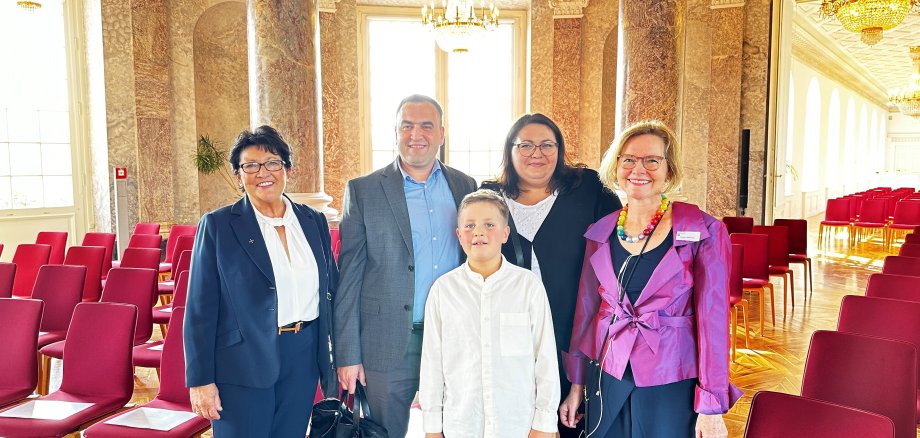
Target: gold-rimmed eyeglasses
{"points": [[651, 162]]}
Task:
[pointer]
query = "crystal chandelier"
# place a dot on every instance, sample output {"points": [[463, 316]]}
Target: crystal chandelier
{"points": [[868, 17], [27, 5], [457, 24], [907, 99]]}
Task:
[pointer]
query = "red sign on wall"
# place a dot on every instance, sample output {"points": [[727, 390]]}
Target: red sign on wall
{"points": [[121, 173]]}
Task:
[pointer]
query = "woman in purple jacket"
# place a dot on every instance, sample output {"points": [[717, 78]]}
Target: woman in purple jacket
{"points": [[649, 347]]}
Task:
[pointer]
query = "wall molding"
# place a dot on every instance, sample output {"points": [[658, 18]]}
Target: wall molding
{"points": [[568, 9]]}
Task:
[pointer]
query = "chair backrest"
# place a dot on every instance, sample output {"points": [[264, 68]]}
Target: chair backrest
{"points": [[174, 233], [180, 293], [146, 228], [881, 317], [909, 250], [900, 265], [855, 204], [172, 362], [736, 276], [183, 262], [1, 249], [7, 273], [738, 224], [28, 258], [912, 238], [105, 240], [778, 248], [91, 257], [336, 240], [61, 288], [184, 243], [18, 341], [898, 287], [98, 351], [869, 373], [907, 213], [145, 241], [756, 263], [798, 234], [837, 210], [775, 414], [58, 242], [147, 258], [134, 286], [873, 211]]}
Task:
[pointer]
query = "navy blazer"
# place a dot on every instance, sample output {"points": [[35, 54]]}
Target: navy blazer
{"points": [[231, 317]]}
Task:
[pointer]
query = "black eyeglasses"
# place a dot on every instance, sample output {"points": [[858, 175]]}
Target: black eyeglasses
{"points": [[650, 162], [270, 165], [527, 148]]}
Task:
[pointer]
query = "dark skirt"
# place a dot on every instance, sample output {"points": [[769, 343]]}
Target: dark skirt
{"points": [[620, 409]]}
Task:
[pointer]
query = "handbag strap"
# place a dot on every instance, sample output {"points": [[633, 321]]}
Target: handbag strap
{"points": [[361, 405], [516, 243]]}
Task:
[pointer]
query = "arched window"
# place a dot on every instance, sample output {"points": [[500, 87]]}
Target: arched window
{"points": [[832, 161], [849, 154], [812, 144], [862, 146], [872, 158], [790, 140]]}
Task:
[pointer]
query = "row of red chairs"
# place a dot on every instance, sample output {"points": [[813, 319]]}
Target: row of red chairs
{"points": [[894, 216]]}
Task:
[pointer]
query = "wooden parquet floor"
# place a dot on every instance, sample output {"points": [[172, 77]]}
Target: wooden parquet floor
{"points": [[774, 361]]}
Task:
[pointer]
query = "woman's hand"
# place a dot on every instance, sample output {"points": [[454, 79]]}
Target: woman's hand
{"points": [[205, 401], [710, 426], [568, 410], [534, 433]]}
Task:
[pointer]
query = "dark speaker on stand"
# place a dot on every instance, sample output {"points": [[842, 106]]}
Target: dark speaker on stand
{"points": [[744, 158]]}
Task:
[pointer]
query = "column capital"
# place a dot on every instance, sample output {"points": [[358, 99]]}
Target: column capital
{"points": [[327, 5], [568, 9], [719, 4]]}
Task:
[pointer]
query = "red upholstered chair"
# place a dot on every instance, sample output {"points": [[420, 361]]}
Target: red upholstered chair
{"points": [[738, 224], [125, 286], [798, 245], [19, 367], [58, 242], [182, 263], [865, 372], [91, 257], [778, 257], [147, 258], [336, 239], [1, 249], [163, 314], [906, 217], [7, 274], [60, 287], [898, 287], [28, 258], [151, 241], [174, 233], [105, 240], [909, 250], [736, 299], [836, 215], [913, 238], [172, 395], [98, 370], [871, 217], [899, 265], [884, 318], [146, 228], [775, 415], [756, 269]]}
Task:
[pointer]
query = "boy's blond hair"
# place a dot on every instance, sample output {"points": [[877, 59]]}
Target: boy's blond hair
{"points": [[487, 196]]}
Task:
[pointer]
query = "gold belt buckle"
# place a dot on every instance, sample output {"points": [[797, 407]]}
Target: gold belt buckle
{"points": [[294, 329]]}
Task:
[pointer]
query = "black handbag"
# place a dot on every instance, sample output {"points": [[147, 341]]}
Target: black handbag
{"points": [[332, 418]]}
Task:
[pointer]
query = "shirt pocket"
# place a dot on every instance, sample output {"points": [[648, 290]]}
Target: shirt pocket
{"points": [[515, 334]]}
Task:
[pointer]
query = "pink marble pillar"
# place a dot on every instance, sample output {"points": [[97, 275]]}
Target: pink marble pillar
{"points": [[284, 86], [648, 62]]}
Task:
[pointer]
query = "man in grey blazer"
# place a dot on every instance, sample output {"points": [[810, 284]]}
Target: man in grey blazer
{"points": [[398, 236]]}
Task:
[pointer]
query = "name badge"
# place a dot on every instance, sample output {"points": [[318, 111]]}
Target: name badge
{"points": [[689, 236]]}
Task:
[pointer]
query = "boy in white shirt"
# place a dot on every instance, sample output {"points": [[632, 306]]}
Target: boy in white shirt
{"points": [[488, 356]]}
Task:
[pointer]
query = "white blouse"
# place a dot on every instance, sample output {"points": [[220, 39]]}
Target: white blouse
{"points": [[297, 277], [528, 219]]}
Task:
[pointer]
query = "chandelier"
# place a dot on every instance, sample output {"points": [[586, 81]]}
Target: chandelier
{"points": [[27, 5], [458, 24], [868, 17], [907, 99]]}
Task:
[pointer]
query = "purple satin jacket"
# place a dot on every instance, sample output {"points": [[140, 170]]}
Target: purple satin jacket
{"points": [[677, 329]]}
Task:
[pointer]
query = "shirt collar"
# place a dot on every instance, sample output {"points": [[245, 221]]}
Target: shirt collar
{"points": [[286, 219], [502, 270], [434, 170]]}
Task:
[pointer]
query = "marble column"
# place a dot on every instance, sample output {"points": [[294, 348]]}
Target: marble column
{"points": [[648, 56], [284, 87]]}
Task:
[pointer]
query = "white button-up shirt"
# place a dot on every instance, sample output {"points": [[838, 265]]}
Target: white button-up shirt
{"points": [[489, 364], [297, 277]]}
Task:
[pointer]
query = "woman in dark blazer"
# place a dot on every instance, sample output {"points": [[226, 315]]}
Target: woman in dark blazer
{"points": [[552, 203], [258, 315]]}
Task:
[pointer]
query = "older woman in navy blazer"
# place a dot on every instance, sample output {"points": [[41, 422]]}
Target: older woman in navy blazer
{"points": [[258, 313]]}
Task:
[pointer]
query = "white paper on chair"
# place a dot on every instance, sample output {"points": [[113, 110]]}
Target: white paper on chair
{"points": [[152, 418], [40, 334], [157, 347], [45, 410], [166, 310]]}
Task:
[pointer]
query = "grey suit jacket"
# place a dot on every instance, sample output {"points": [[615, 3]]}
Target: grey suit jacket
{"points": [[373, 307]]}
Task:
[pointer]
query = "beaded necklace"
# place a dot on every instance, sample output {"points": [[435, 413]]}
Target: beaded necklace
{"points": [[621, 222]]}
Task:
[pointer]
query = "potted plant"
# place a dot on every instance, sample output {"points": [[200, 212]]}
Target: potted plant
{"points": [[210, 158]]}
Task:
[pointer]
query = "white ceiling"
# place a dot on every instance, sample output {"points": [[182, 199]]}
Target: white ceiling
{"points": [[888, 61]]}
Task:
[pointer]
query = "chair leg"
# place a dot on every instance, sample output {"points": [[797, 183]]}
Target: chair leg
{"points": [[733, 326], [772, 304], [38, 386], [45, 378], [744, 316], [792, 286], [811, 280], [820, 235], [163, 330]]}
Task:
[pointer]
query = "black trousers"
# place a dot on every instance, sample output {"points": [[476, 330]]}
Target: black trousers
{"points": [[619, 409]]}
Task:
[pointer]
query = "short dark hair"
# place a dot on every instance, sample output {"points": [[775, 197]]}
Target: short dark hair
{"points": [[564, 176], [267, 139], [421, 98]]}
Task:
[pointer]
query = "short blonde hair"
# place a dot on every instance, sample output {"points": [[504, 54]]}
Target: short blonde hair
{"points": [[487, 196], [609, 164]]}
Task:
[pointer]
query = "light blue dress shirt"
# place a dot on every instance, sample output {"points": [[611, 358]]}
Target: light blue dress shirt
{"points": [[433, 219]]}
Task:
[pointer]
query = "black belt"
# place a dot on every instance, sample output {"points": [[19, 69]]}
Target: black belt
{"points": [[295, 326]]}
